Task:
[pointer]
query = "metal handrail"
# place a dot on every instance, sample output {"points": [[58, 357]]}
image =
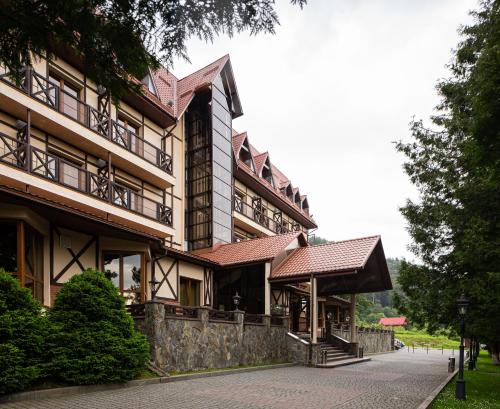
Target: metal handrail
{"points": [[36, 161], [40, 88]]}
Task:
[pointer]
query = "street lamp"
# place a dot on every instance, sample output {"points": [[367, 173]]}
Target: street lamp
{"points": [[236, 301], [153, 283], [462, 304]]}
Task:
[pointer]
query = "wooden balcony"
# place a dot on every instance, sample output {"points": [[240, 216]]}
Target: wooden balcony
{"points": [[255, 219], [80, 124], [27, 168]]}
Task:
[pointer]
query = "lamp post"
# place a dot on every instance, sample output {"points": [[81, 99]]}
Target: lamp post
{"points": [[236, 301], [153, 283], [462, 304]]}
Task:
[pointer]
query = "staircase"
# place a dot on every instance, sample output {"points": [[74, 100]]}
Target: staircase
{"points": [[336, 357]]}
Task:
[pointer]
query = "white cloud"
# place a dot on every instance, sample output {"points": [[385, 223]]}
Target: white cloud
{"points": [[328, 94]]}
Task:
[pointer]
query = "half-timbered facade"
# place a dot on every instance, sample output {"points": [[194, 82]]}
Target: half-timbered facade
{"points": [[161, 193]]}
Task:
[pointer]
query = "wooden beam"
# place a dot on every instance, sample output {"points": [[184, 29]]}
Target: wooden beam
{"points": [[352, 315], [21, 265], [314, 310]]}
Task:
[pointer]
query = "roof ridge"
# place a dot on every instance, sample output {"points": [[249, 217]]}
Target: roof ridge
{"points": [[345, 241], [255, 239]]}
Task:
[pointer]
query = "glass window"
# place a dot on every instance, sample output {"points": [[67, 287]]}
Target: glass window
{"points": [[69, 97], [125, 272]]}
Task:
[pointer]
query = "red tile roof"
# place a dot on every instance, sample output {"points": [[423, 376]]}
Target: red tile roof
{"points": [[250, 251], [280, 179], [348, 255], [259, 161], [393, 322], [188, 85]]}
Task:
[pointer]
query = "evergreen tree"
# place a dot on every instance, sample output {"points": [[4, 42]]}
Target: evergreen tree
{"points": [[94, 339], [456, 167], [22, 333], [116, 39]]}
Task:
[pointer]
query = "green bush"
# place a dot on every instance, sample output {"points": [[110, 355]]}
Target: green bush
{"points": [[22, 333], [94, 339]]}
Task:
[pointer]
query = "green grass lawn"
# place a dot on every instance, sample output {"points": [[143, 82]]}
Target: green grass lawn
{"points": [[419, 338], [482, 388]]}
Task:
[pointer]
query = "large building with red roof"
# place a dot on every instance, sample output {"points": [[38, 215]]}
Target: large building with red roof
{"points": [[163, 193]]}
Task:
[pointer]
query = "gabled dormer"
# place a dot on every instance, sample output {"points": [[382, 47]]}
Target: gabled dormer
{"points": [[267, 172], [305, 204], [245, 155], [149, 83], [296, 197]]}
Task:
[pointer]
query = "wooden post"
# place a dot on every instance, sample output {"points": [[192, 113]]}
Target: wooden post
{"points": [[267, 289], [352, 321], [21, 273], [314, 310]]}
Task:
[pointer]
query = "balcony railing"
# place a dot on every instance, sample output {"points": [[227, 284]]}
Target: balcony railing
{"points": [[52, 95], [259, 215], [41, 163]]}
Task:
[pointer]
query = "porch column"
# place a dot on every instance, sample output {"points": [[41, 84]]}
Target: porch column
{"points": [[267, 289], [352, 321], [314, 310]]}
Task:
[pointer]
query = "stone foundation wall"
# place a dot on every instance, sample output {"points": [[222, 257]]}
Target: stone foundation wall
{"points": [[193, 343], [371, 340]]}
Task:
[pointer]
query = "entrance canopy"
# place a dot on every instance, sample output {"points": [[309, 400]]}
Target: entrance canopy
{"points": [[342, 267]]}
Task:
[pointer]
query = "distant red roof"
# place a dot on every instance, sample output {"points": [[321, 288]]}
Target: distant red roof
{"points": [[393, 322], [250, 251]]}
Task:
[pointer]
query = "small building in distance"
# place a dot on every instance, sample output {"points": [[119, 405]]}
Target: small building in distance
{"points": [[393, 322]]}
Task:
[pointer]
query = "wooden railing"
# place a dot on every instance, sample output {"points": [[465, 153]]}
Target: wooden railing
{"points": [[216, 315], [253, 318], [136, 310], [58, 170], [40, 88], [259, 215], [179, 311]]}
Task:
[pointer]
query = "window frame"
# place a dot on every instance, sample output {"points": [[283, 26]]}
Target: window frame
{"points": [[121, 255]]}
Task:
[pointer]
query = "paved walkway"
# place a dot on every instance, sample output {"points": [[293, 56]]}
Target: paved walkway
{"points": [[398, 380]]}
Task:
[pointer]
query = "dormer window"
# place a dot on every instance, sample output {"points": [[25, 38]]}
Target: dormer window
{"points": [[305, 206], [245, 156], [267, 173], [148, 82], [297, 199]]}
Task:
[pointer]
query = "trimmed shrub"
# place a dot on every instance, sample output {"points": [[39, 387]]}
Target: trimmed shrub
{"points": [[22, 333], [94, 339]]}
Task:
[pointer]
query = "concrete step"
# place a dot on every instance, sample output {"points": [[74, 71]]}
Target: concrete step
{"points": [[344, 362], [337, 354], [339, 358]]}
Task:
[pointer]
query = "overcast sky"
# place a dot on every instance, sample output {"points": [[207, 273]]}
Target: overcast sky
{"points": [[329, 93]]}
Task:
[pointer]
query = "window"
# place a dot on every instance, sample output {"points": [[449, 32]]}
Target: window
{"points": [[129, 134], [148, 82], [245, 156], [68, 96], [125, 270], [267, 173], [190, 292], [21, 254]]}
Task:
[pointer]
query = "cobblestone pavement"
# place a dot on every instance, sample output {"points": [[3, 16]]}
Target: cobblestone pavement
{"points": [[398, 380]]}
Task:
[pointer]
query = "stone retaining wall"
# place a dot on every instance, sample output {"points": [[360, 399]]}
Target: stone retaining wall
{"points": [[371, 340], [186, 344]]}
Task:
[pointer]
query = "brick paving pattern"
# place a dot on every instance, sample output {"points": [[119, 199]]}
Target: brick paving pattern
{"points": [[399, 380]]}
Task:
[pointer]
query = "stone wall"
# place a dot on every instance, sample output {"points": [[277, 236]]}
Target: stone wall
{"points": [[371, 340], [198, 342]]}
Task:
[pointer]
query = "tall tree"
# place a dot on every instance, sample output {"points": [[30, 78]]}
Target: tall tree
{"points": [[118, 39], [455, 165]]}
